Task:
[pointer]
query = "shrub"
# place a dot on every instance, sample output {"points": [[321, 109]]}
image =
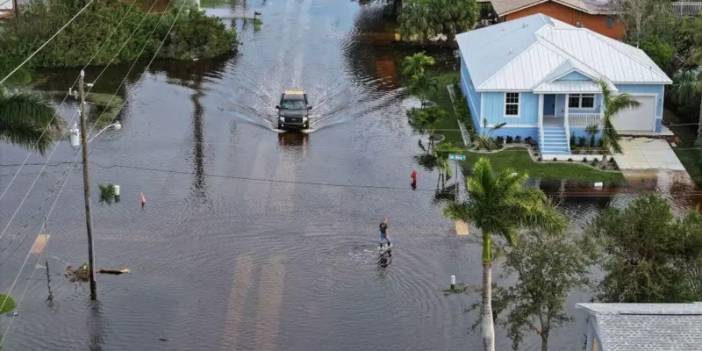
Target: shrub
{"points": [[570, 160], [509, 139], [518, 139], [592, 141], [584, 159], [581, 141], [529, 140], [194, 34]]}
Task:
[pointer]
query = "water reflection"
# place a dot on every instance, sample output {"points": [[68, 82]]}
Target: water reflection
{"points": [[293, 139], [95, 327]]}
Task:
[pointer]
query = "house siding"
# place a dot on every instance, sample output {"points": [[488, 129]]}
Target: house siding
{"points": [[472, 97], [658, 90], [494, 105], [597, 23], [574, 76]]}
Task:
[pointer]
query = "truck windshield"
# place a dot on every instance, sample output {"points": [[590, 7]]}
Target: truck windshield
{"points": [[292, 104]]}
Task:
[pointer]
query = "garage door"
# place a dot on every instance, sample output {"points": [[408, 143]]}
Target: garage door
{"points": [[639, 118]]}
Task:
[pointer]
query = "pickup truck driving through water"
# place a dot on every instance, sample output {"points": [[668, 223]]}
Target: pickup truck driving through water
{"points": [[294, 110]]}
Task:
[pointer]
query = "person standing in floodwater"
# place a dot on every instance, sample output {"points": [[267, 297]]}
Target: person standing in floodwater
{"points": [[413, 179], [384, 232]]}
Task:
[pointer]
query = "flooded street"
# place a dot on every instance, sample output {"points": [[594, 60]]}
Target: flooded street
{"points": [[251, 239]]}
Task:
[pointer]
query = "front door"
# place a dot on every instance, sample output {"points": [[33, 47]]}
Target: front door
{"points": [[549, 105]]}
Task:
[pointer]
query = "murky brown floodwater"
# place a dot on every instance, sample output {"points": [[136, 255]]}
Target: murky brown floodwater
{"points": [[252, 239]]}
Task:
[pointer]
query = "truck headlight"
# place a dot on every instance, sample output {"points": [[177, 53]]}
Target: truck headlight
{"points": [[304, 119], [282, 119]]}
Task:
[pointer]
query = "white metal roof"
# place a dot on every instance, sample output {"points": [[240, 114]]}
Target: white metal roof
{"points": [[522, 54]]}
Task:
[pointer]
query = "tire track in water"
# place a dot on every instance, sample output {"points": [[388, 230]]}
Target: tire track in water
{"points": [[270, 300], [237, 302]]}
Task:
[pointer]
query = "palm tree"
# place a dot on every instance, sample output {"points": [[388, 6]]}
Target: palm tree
{"points": [[414, 68], [612, 104], [27, 120], [688, 84], [500, 204]]}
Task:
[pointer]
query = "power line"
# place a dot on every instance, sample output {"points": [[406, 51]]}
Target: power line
{"points": [[19, 273], [46, 42], [55, 115], [68, 175], [34, 182]]}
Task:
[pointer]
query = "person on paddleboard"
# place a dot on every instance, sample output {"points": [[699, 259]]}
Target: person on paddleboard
{"points": [[384, 233]]}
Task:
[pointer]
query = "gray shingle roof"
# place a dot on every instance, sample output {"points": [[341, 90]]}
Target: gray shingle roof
{"points": [[647, 327]]}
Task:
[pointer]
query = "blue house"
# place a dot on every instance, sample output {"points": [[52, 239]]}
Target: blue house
{"points": [[539, 76]]}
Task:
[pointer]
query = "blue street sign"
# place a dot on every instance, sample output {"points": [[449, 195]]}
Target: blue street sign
{"points": [[456, 157]]}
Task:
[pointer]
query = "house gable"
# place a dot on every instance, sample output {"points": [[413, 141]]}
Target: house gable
{"points": [[574, 76]]}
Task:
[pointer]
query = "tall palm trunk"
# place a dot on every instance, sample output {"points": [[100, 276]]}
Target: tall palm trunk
{"points": [[544, 341], [488, 324], [699, 127]]}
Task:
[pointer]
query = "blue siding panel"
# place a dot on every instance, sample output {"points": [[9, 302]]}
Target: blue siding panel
{"points": [[574, 76], [494, 109], [472, 97]]}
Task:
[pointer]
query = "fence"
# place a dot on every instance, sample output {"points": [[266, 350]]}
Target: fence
{"points": [[687, 8]]}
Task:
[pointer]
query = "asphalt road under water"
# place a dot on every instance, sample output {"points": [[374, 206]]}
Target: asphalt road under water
{"points": [[251, 239]]}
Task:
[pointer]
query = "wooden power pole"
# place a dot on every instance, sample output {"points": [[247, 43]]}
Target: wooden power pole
{"points": [[15, 8], [86, 187]]}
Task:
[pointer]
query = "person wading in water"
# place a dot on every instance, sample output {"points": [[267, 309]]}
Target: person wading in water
{"points": [[384, 233]]}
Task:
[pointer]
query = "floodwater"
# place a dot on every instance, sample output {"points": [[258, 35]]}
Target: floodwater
{"points": [[251, 239]]}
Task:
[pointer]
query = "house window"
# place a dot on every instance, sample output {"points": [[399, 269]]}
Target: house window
{"points": [[581, 101], [512, 104], [574, 101]]}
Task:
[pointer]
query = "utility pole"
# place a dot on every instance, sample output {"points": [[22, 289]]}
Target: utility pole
{"points": [[15, 8], [86, 186], [48, 282]]}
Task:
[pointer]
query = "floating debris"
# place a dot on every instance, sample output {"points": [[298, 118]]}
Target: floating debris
{"points": [[80, 274]]}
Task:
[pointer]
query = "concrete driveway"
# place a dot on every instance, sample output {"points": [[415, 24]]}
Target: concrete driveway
{"points": [[639, 153]]}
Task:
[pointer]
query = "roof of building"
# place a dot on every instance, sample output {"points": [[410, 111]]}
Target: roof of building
{"points": [[593, 7], [525, 53], [647, 327]]}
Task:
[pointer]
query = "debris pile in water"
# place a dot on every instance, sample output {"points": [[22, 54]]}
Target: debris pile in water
{"points": [[80, 274]]}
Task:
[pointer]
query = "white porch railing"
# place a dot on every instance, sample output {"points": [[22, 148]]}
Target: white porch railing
{"points": [[583, 120], [687, 8]]}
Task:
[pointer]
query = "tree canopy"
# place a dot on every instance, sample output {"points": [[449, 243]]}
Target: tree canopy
{"points": [[649, 254], [422, 20], [547, 267]]}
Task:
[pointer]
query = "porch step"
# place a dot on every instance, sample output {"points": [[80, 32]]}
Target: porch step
{"points": [[555, 141]]}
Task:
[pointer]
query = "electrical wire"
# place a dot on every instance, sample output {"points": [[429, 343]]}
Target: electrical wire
{"points": [[34, 182], [19, 273], [4, 231], [68, 175], [55, 115], [90, 2]]}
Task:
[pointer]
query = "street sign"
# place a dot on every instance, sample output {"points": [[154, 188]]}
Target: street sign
{"points": [[457, 157]]}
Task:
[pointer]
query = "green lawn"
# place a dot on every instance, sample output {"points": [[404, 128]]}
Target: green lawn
{"points": [[689, 155], [448, 127], [519, 160], [692, 160]]}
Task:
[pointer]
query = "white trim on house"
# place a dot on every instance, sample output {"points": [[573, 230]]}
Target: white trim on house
{"points": [[514, 125]]}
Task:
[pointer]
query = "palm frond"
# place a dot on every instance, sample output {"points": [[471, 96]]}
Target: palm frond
{"points": [[24, 118]]}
